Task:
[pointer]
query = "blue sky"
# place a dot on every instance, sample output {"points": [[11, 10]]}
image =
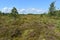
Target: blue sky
{"points": [[25, 4]]}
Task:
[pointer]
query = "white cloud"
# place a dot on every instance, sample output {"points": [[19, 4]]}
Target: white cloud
{"points": [[29, 10], [6, 10], [21, 10], [35, 10], [32, 8]]}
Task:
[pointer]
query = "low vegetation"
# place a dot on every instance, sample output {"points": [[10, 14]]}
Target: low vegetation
{"points": [[15, 26]]}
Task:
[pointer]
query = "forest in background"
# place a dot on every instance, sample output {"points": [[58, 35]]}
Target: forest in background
{"points": [[15, 26]]}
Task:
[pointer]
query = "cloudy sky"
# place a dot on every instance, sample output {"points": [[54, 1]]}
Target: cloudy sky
{"points": [[27, 6]]}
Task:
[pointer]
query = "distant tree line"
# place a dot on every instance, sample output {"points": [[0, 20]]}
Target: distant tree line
{"points": [[52, 11]]}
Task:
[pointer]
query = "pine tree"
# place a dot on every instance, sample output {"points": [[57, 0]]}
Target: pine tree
{"points": [[14, 12], [52, 9]]}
